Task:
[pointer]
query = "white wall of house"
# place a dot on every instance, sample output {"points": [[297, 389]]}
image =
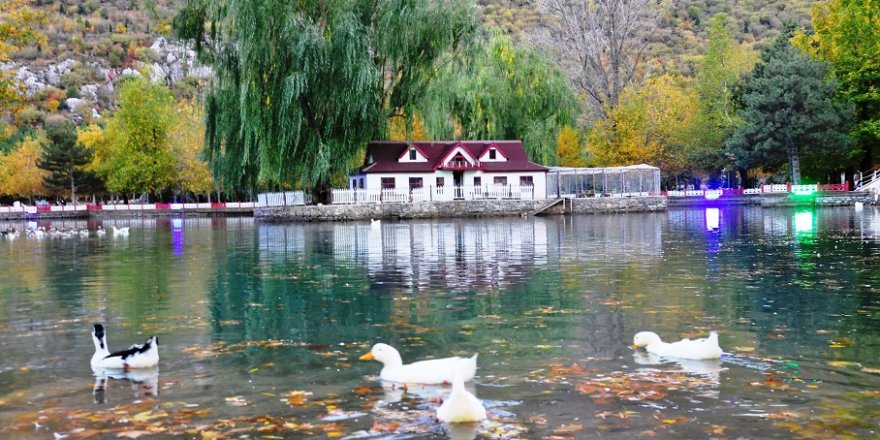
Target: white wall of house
{"points": [[539, 178], [401, 180], [429, 180]]}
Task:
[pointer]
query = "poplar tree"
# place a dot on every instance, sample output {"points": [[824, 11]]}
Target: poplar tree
{"points": [[789, 114], [300, 87]]}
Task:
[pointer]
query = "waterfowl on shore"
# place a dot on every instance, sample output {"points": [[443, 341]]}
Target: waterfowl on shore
{"points": [[144, 355], [100, 232], [705, 348], [120, 232], [461, 406], [432, 371]]}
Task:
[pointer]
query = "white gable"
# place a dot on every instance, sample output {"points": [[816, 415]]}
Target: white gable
{"points": [[455, 152], [493, 154], [412, 154]]}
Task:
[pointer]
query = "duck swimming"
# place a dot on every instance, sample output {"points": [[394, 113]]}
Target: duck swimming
{"points": [[432, 371], [144, 355], [706, 348], [461, 406]]}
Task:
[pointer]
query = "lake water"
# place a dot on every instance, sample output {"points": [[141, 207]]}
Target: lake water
{"points": [[260, 326]]}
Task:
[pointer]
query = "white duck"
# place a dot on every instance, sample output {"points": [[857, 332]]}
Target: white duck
{"points": [[461, 406], [432, 371], [706, 348], [120, 232], [100, 232], [144, 355]]}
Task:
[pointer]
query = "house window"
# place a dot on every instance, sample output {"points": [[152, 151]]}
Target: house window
{"points": [[492, 154], [412, 154], [415, 182], [440, 181], [387, 183], [478, 181], [361, 183], [500, 180], [526, 181]]}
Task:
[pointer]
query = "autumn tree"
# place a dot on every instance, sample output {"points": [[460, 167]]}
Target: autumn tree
{"points": [[137, 157], [64, 160], [790, 115], [301, 87], [570, 148], [502, 92], [19, 25], [846, 35], [650, 125], [19, 173], [601, 43], [187, 140]]}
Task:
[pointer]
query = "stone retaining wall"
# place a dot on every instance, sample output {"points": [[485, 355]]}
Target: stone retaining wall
{"points": [[455, 209]]}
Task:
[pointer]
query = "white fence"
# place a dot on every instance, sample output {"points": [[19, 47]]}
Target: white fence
{"points": [[404, 195]]}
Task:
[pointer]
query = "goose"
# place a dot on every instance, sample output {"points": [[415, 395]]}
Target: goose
{"points": [[706, 348], [461, 406], [84, 232], [100, 232], [375, 223], [144, 355], [120, 232], [432, 371]]}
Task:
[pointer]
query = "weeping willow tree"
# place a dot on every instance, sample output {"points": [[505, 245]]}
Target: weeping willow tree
{"points": [[502, 92], [301, 86]]}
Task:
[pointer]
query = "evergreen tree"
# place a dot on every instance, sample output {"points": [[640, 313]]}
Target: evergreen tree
{"points": [[64, 159], [790, 116], [300, 87]]}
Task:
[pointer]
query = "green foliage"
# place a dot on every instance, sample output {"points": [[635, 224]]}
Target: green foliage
{"points": [[789, 114], [300, 87], [64, 160], [721, 66], [502, 92], [846, 35], [137, 156]]}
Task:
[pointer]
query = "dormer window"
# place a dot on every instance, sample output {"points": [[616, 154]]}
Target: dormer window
{"points": [[412, 154], [369, 159], [493, 153]]}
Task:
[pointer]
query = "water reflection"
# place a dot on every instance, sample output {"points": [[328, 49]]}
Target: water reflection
{"points": [[531, 295], [144, 382]]}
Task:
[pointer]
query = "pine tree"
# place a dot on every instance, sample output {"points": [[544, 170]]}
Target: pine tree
{"points": [[64, 159], [790, 115]]}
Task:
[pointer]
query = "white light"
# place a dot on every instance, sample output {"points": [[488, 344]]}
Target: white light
{"points": [[713, 219]]}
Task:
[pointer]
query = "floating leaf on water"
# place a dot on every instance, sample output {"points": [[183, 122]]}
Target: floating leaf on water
{"points": [[572, 427], [842, 364], [744, 349], [133, 434], [871, 370], [840, 342]]}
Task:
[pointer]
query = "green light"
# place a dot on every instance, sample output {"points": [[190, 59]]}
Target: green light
{"points": [[803, 193], [803, 222]]}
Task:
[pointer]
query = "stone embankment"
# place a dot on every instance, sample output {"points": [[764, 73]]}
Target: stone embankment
{"points": [[456, 209]]}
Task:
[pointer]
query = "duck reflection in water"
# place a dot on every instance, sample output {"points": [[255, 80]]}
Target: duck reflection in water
{"points": [[144, 382], [707, 368]]}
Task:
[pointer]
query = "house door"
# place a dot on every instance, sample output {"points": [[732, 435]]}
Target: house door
{"points": [[458, 182]]}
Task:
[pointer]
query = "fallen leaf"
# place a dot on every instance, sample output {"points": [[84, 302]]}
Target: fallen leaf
{"points": [[573, 427], [133, 434]]}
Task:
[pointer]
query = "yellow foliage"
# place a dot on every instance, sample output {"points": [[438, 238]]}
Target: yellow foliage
{"points": [[120, 28], [19, 174], [93, 137], [570, 149], [52, 105], [187, 139], [397, 130], [650, 125]]}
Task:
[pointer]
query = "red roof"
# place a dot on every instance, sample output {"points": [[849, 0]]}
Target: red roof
{"points": [[386, 156]]}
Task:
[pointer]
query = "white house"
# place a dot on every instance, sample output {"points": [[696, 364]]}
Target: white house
{"points": [[453, 169]]}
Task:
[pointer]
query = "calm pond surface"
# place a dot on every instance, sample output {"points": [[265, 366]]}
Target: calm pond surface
{"points": [[260, 326]]}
